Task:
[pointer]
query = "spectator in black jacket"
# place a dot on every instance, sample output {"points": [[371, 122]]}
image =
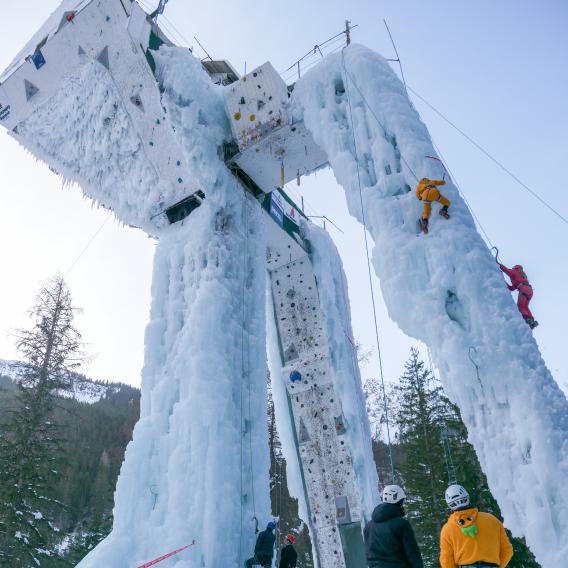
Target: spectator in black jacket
{"points": [[389, 538], [264, 548], [288, 555]]}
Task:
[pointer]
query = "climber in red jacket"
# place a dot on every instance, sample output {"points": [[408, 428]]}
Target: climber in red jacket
{"points": [[520, 282]]}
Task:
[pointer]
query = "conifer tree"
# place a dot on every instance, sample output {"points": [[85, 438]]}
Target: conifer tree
{"points": [[418, 408], [433, 443], [30, 440]]}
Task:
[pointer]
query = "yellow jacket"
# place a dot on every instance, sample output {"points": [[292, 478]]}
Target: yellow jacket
{"points": [[470, 536], [425, 184]]}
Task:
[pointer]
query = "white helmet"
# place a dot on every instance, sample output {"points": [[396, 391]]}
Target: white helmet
{"points": [[457, 497], [393, 494]]}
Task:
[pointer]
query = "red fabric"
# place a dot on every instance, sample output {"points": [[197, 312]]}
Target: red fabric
{"points": [[525, 295], [520, 282], [165, 557]]}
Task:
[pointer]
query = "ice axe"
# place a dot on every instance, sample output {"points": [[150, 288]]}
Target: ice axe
{"points": [[496, 254]]}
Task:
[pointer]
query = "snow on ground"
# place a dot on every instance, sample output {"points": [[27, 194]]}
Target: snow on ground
{"points": [[445, 290], [197, 467]]}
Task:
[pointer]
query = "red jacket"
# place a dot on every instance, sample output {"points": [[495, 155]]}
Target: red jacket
{"points": [[517, 275]]}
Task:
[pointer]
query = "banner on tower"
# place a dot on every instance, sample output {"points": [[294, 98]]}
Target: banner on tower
{"points": [[5, 111]]}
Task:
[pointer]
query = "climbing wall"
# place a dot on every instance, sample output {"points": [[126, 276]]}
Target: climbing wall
{"points": [[88, 79], [324, 452]]}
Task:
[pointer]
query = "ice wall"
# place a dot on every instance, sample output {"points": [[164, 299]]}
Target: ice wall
{"points": [[197, 467], [445, 289]]}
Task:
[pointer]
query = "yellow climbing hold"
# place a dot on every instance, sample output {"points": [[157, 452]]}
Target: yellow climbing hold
{"points": [[252, 117], [237, 116]]}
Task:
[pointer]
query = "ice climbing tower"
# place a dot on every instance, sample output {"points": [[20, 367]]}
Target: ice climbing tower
{"points": [[103, 97], [445, 289]]}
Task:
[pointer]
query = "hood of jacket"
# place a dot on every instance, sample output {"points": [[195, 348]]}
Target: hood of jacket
{"points": [[386, 511]]}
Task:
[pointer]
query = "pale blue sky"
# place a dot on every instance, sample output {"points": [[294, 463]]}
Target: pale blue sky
{"points": [[497, 69]]}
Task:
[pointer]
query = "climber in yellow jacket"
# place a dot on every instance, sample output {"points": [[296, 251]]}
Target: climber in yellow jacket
{"points": [[472, 538], [427, 192]]}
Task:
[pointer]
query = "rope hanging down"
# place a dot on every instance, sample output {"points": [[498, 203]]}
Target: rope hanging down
{"points": [[385, 403]]}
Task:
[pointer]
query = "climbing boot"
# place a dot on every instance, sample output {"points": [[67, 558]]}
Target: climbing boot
{"points": [[531, 322], [444, 212], [424, 225]]}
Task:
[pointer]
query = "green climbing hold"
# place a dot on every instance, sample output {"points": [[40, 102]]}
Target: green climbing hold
{"points": [[158, 121], [180, 180], [470, 531]]}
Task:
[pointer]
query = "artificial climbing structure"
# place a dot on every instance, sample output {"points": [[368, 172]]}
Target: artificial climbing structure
{"points": [[146, 130], [197, 156]]}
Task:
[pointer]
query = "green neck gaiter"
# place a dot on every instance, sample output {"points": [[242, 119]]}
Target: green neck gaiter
{"points": [[470, 531]]}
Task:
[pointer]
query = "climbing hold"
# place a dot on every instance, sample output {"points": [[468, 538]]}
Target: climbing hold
{"points": [[252, 117], [31, 89], [151, 143], [178, 163], [103, 58], [237, 116], [295, 376], [180, 180]]}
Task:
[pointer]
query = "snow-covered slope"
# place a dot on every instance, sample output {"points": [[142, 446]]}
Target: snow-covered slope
{"points": [[197, 467], [84, 389], [445, 289]]}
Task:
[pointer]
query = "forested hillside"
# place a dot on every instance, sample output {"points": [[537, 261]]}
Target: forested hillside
{"points": [[94, 437]]}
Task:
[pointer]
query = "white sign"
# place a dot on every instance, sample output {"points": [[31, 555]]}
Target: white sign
{"points": [[6, 117], [289, 211]]}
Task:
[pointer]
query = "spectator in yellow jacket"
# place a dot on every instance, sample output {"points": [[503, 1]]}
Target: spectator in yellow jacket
{"points": [[427, 192], [472, 538]]}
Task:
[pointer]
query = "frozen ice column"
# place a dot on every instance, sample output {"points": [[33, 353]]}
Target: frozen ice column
{"points": [[197, 466], [445, 289]]}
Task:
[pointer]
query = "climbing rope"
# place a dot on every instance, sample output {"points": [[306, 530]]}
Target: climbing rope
{"points": [[460, 190], [363, 220], [407, 164], [89, 243], [373, 114], [488, 155], [245, 371], [444, 435]]}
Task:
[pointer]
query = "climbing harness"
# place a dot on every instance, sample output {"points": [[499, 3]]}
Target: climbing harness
{"points": [[385, 404], [166, 556]]}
